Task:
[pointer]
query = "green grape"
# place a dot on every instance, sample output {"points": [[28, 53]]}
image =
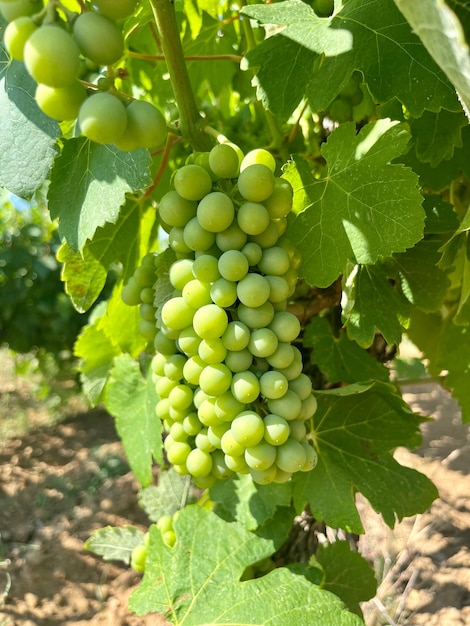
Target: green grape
{"points": [[174, 367], [138, 557], [215, 211], [269, 237], [282, 357], [279, 289], [188, 341], [176, 240], [158, 363], [206, 413], [264, 477], [309, 406], [291, 456], [13, 9], [215, 379], [253, 252], [162, 409], [212, 351], [181, 272], [273, 384], [130, 294], [259, 155], [178, 452], [192, 424], [178, 433], [275, 261], [165, 523], [288, 406], [196, 237], [230, 445], [164, 385], [279, 202], [148, 330], [164, 344], [198, 462], [98, 38], [203, 442], [146, 127], [169, 537], [245, 387], [239, 361], [115, 9], [196, 294], [61, 103], [257, 317], [232, 238], [42, 50], [227, 407], [256, 183], [175, 210], [181, 397], [253, 218], [224, 292], [253, 290], [298, 430], [216, 432], [323, 8], [223, 161], [145, 275], [233, 265], [192, 370], [204, 482], [236, 336], [247, 428], [285, 325], [219, 468], [302, 386], [102, 118], [176, 314], [192, 182], [263, 342], [260, 456], [17, 34], [206, 268], [276, 429], [210, 321], [237, 464]]}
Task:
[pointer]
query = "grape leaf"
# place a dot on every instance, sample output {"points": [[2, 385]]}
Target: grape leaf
{"points": [[347, 574], [437, 135], [115, 543], [170, 495], [365, 207], [339, 358], [197, 582], [250, 504], [84, 276], [28, 137], [440, 216], [441, 32], [131, 400], [88, 186], [368, 36], [355, 430], [164, 290]]}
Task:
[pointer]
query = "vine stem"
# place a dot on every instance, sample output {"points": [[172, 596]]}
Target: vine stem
{"points": [[190, 119], [214, 57]]}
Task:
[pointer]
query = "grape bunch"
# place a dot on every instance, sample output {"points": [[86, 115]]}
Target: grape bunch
{"points": [[58, 53], [232, 393]]}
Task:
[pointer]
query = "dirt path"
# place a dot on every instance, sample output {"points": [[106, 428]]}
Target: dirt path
{"points": [[58, 484]]}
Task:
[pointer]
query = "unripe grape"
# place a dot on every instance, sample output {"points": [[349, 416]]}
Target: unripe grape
{"points": [[98, 38], [17, 34], [115, 9], [232, 238], [260, 456], [276, 429], [253, 218], [199, 463], [256, 183], [223, 161], [176, 313], [61, 103], [253, 290], [258, 155], [233, 265], [192, 182], [196, 237], [290, 456], [210, 321], [247, 428], [279, 202], [273, 384], [102, 118], [224, 292], [13, 9], [146, 127], [215, 212], [245, 387], [44, 48]]}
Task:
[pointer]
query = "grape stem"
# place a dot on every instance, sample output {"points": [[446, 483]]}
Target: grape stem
{"points": [[160, 57], [190, 119]]}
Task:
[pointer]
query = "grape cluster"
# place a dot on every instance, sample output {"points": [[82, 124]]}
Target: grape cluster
{"points": [[232, 395], [59, 53], [139, 553]]}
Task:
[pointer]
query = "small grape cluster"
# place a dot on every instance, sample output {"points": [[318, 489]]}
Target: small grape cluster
{"points": [[139, 553], [57, 53], [232, 393]]}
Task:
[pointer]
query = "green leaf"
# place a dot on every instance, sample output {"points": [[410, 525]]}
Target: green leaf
{"points": [[172, 494], [89, 182], [115, 543], [197, 582], [441, 32], [365, 207], [347, 574], [339, 358], [437, 135], [127, 399], [27, 136], [372, 303], [84, 276], [250, 504], [164, 290], [355, 430], [440, 216]]}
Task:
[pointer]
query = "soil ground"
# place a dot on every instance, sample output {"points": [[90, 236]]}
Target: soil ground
{"points": [[60, 482]]}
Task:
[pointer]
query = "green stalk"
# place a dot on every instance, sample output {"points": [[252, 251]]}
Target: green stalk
{"points": [[191, 121]]}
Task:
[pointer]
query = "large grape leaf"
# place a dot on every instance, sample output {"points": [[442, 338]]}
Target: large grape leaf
{"points": [[363, 209], [89, 183], [197, 582], [131, 399], [339, 358], [437, 135], [441, 32], [355, 430], [115, 543], [369, 36], [27, 136]]}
